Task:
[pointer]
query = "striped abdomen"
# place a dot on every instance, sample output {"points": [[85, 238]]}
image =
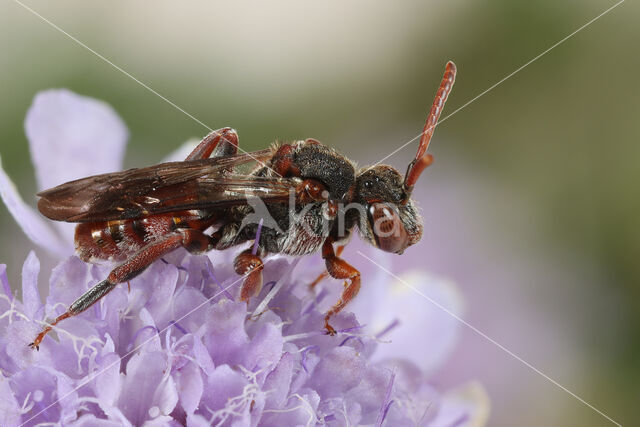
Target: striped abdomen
{"points": [[117, 240]]}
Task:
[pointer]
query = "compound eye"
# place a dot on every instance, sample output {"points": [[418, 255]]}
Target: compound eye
{"points": [[387, 227]]}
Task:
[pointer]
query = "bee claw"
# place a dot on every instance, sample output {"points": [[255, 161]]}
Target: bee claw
{"points": [[33, 345], [329, 330]]}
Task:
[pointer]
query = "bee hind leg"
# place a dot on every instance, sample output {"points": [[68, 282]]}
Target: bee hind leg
{"points": [[126, 271]]}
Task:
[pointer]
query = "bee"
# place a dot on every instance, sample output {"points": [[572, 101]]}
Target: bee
{"points": [[309, 198]]}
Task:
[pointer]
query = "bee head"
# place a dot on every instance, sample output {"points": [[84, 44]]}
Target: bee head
{"points": [[392, 221], [389, 219]]}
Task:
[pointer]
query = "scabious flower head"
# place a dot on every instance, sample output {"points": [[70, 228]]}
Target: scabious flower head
{"points": [[179, 348]]}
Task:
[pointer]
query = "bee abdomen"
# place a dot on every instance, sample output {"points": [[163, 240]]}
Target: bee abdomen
{"points": [[112, 240], [117, 240]]}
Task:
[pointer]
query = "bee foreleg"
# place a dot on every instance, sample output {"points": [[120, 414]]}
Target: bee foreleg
{"points": [[311, 190], [324, 274], [339, 269]]}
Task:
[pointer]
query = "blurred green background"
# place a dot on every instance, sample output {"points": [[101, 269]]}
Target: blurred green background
{"points": [[556, 146]]}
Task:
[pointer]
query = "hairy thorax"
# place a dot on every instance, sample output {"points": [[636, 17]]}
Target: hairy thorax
{"points": [[299, 229]]}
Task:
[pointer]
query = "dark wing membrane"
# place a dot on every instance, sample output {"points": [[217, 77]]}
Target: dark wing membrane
{"points": [[167, 187]]}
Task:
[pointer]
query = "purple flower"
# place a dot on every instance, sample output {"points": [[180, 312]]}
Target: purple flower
{"points": [[179, 348]]}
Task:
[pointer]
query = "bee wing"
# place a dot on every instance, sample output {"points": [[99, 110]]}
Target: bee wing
{"points": [[167, 187]]}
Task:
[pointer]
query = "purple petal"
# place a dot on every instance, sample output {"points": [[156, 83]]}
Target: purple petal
{"points": [[259, 377], [468, 405], [162, 292], [18, 335], [178, 326], [373, 393], [265, 348], [90, 420], [69, 280], [340, 370], [190, 386], [146, 337], [111, 312], [184, 303], [30, 294], [300, 410], [77, 338], [278, 381], [384, 409], [341, 412], [107, 382], [107, 385], [9, 408], [225, 336], [72, 136], [414, 401], [202, 356], [161, 421], [222, 385], [147, 393], [4, 281], [32, 223], [41, 389], [426, 334], [197, 420], [209, 271]]}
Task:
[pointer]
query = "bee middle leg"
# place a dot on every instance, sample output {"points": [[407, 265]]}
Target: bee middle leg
{"points": [[247, 262], [136, 264]]}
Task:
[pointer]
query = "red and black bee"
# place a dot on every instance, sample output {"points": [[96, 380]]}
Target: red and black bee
{"points": [[138, 215]]}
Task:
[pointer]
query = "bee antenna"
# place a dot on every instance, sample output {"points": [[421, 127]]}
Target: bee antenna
{"points": [[423, 159]]}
